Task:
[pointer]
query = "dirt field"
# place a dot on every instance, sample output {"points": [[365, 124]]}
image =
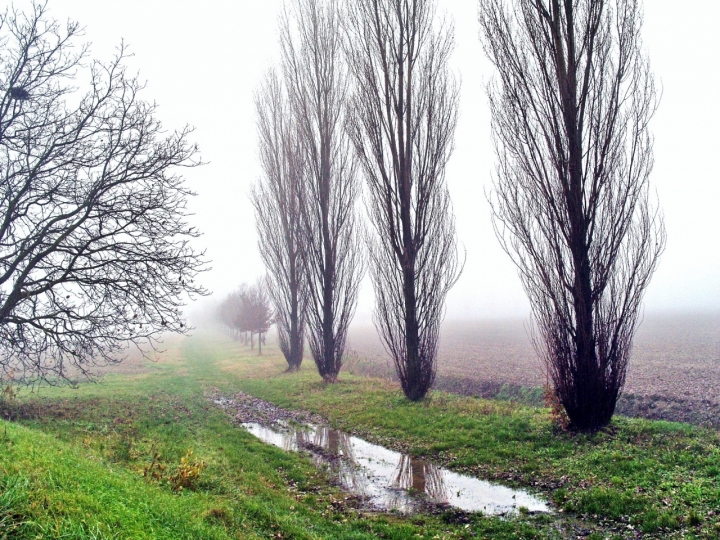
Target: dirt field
{"points": [[674, 373]]}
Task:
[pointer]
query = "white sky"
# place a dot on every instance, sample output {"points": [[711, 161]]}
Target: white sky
{"points": [[203, 60]]}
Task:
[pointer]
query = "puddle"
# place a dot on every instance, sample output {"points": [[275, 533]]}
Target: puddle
{"points": [[389, 480]]}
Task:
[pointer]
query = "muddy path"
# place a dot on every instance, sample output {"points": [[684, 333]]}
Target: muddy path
{"points": [[378, 479], [382, 478]]}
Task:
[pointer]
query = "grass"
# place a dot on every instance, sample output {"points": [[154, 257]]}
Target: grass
{"points": [[79, 464], [659, 478]]}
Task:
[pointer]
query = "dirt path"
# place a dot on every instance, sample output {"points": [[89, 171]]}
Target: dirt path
{"points": [[426, 486]]}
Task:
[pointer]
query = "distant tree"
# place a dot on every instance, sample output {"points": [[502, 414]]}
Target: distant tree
{"points": [[224, 315], [403, 123], [278, 217], [258, 312], [570, 113], [318, 82], [230, 312], [95, 248], [247, 311]]}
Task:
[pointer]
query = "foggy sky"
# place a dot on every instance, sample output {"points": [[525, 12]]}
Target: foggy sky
{"points": [[203, 60]]}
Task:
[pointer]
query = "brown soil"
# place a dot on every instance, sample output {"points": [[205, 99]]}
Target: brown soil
{"points": [[674, 373], [244, 408]]}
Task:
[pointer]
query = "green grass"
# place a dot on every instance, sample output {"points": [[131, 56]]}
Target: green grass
{"points": [[661, 478], [72, 465]]}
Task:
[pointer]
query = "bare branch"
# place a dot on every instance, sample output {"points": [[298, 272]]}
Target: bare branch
{"points": [[317, 81], [402, 124], [94, 241], [570, 110]]}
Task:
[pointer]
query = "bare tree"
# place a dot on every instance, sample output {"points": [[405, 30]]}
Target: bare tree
{"points": [[230, 312], [277, 212], [403, 121], [94, 244], [317, 81], [243, 321], [247, 311], [224, 315], [570, 112], [257, 313]]}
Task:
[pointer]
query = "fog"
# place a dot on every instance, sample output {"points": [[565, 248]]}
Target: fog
{"points": [[203, 60]]}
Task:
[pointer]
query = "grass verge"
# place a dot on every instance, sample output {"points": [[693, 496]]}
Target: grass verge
{"points": [[656, 478], [102, 462]]}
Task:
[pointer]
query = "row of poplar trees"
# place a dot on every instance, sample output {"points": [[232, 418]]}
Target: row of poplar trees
{"points": [[361, 95], [246, 312], [364, 103]]}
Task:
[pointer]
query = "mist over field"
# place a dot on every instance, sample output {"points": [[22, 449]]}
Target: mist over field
{"points": [[220, 52], [359, 269], [674, 372]]}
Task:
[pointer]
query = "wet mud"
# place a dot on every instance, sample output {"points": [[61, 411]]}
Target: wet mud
{"points": [[381, 478]]}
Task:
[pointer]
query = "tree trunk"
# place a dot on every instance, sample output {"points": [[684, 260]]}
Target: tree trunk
{"points": [[295, 352], [584, 406], [330, 371], [330, 367], [413, 386]]}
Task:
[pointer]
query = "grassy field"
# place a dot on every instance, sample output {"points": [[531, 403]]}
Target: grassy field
{"points": [[109, 460], [112, 460]]}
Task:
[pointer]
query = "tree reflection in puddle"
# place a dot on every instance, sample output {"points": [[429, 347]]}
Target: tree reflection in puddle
{"points": [[420, 476], [389, 480]]}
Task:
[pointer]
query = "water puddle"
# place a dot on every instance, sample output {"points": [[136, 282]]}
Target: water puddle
{"points": [[389, 480]]}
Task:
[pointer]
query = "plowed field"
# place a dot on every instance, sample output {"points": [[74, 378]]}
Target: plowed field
{"points": [[674, 372]]}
